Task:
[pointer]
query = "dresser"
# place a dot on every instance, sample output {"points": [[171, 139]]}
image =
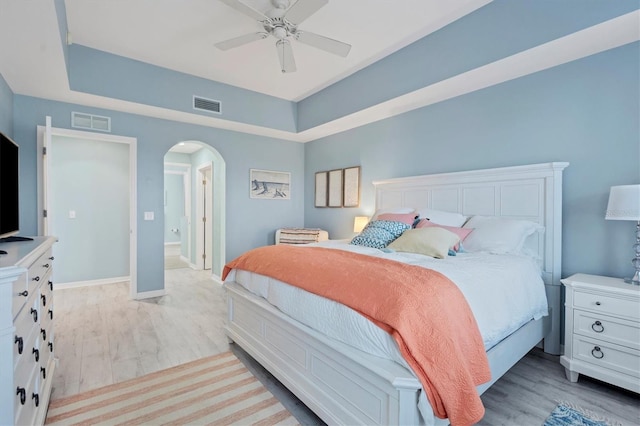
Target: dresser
{"points": [[26, 331], [602, 330]]}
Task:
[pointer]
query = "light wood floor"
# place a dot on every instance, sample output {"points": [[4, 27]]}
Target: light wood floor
{"points": [[102, 337]]}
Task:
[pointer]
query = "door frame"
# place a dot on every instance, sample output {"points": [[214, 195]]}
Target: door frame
{"points": [[186, 180], [45, 134]]}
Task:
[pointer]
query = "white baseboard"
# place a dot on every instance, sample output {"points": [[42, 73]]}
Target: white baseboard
{"points": [[172, 249], [103, 281], [150, 294]]}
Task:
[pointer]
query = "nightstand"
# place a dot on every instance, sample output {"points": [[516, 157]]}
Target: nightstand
{"points": [[602, 330]]}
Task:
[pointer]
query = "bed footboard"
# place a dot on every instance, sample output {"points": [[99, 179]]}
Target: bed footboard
{"points": [[339, 383]]}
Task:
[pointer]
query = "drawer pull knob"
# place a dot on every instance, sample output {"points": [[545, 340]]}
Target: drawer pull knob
{"points": [[44, 372], [36, 354], [51, 258], [36, 278], [597, 327], [44, 299], [24, 293], [44, 333], [598, 303], [50, 346], [597, 352], [23, 395], [50, 314], [19, 341], [34, 313], [46, 265], [36, 398], [51, 285]]}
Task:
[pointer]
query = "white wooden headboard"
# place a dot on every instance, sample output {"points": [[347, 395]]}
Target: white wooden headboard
{"points": [[531, 192]]}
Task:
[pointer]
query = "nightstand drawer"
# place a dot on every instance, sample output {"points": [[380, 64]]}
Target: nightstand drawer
{"points": [[607, 355], [606, 304], [610, 329]]}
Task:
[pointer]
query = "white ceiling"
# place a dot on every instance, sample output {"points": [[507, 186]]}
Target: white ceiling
{"points": [[180, 35]]}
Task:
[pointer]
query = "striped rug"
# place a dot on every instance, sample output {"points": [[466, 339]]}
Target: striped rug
{"points": [[215, 390]]}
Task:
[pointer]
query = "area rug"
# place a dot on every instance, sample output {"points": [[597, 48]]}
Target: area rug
{"points": [[566, 414], [215, 390]]}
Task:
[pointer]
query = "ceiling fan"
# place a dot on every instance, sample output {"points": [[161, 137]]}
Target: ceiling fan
{"points": [[282, 23]]}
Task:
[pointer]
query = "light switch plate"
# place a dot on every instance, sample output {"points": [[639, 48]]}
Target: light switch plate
{"points": [[148, 215]]}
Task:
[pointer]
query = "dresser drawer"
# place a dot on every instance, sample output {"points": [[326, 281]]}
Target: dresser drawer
{"points": [[606, 304], [24, 336], [39, 269], [604, 327], [607, 355], [24, 403], [20, 294]]}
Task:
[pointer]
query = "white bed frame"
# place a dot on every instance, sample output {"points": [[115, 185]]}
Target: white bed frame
{"points": [[343, 385]]}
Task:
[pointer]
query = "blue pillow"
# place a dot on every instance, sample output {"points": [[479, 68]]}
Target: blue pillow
{"points": [[380, 233]]}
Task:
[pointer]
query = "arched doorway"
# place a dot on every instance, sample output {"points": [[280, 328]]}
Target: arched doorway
{"points": [[205, 237]]}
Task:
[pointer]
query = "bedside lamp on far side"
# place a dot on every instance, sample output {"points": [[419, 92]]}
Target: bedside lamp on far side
{"points": [[624, 204], [359, 223]]}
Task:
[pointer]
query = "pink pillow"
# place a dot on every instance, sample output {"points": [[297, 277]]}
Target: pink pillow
{"points": [[462, 233], [407, 218]]}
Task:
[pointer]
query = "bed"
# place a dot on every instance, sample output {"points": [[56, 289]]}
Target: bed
{"points": [[343, 384]]}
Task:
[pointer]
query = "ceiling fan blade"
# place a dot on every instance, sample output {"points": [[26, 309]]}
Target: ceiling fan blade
{"points": [[324, 43], [246, 9], [302, 9], [239, 41], [285, 54]]}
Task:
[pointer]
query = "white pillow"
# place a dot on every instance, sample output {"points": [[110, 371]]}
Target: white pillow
{"points": [[443, 218], [498, 235], [433, 241]]}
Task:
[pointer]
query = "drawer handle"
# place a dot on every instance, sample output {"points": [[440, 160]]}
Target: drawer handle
{"points": [[36, 353], [44, 372], [598, 303], [597, 327], [36, 398], [23, 395], [50, 314], [44, 333], [19, 341], [34, 313], [51, 258], [597, 352], [36, 278], [51, 285], [46, 265], [44, 299], [23, 293], [50, 346]]}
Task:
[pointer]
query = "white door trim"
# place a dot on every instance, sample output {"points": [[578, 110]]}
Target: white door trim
{"points": [[200, 207], [186, 179], [133, 173]]}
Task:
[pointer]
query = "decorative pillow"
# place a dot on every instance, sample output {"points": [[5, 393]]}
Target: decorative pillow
{"points": [[443, 218], [408, 218], [462, 233], [379, 233], [498, 235], [399, 210], [431, 241]]}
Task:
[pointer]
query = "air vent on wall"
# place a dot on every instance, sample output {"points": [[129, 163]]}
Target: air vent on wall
{"points": [[81, 120], [208, 105]]}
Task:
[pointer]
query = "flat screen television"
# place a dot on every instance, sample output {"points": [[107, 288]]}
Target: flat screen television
{"points": [[9, 210]]}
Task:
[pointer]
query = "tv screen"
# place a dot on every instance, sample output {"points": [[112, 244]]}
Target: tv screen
{"points": [[9, 212]]}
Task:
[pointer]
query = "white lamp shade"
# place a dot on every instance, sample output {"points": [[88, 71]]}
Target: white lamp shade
{"points": [[624, 203], [359, 223]]}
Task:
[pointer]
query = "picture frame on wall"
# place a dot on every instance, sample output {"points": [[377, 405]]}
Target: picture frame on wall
{"points": [[351, 187], [269, 184], [335, 188], [322, 182]]}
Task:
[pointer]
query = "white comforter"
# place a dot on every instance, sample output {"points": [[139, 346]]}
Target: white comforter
{"points": [[503, 291]]}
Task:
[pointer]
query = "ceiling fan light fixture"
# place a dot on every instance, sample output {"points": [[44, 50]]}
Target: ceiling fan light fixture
{"points": [[279, 33]]}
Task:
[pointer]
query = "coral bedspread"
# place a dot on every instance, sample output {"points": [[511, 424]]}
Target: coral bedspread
{"points": [[424, 311]]}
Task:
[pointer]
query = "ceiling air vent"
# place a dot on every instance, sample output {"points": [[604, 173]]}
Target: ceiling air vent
{"points": [[208, 105], [81, 120]]}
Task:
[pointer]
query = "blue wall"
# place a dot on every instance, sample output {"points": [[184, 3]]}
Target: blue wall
{"points": [[250, 223], [6, 108], [585, 112]]}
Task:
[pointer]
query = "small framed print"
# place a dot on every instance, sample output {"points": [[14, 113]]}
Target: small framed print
{"points": [[321, 189], [269, 184], [335, 188], [352, 187]]}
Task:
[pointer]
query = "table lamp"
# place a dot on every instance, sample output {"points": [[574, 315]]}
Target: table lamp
{"points": [[359, 223], [624, 204]]}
